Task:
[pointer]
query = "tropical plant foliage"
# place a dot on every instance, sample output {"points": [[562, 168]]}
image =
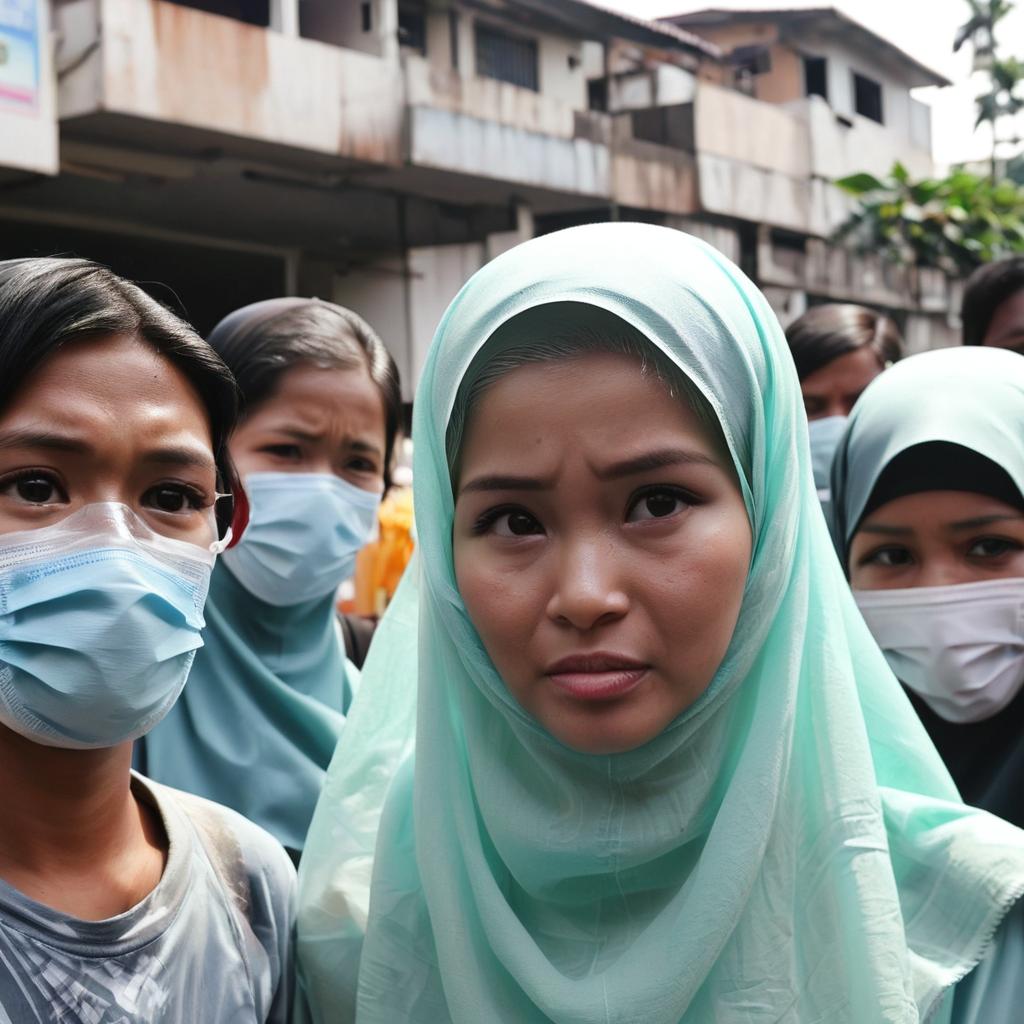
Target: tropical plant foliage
{"points": [[979, 29], [954, 223], [958, 222], [1003, 100]]}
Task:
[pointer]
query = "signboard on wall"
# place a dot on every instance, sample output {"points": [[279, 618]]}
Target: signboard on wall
{"points": [[19, 54], [28, 89]]}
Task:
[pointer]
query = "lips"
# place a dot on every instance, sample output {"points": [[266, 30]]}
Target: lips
{"points": [[597, 675]]}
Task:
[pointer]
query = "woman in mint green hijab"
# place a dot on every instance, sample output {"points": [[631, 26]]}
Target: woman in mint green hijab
{"points": [[661, 772], [270, 688]]}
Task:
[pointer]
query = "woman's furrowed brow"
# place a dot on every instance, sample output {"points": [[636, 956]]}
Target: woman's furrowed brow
{"points": [[502, 482], [659, 459], [645, 463]]}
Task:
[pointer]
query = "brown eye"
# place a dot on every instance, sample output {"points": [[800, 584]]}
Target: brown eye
{"points": [[511, 524], [37, 490], [168, 498], [657, 504], [521, 524]]}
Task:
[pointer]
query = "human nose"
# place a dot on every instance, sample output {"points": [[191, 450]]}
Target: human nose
{"points": [[942, 573], [588, 591]]}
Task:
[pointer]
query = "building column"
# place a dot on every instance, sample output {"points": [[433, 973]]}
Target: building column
{"points": [[284, 17]]}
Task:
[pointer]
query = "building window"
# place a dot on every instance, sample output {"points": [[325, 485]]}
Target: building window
{"points": [[252, 12], [506, 57], [816, 77], [867, 98], [366, 16], [412, 25]]}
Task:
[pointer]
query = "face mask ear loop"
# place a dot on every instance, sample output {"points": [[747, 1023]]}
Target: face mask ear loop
{"points": [[240, 512], [223, 543]]}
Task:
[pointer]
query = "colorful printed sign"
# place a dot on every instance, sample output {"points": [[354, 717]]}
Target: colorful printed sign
{"points": [[19, 54]]}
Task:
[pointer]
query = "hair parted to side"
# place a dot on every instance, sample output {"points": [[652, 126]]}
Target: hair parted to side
{"points": [[986, 290], [261, 342], [827, 332], [49, 302], [558, 331]]}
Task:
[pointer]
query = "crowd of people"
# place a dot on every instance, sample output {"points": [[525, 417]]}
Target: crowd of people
{"points": [[700, 700]]}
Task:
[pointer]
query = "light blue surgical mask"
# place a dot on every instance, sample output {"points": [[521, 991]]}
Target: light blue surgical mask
{"points": [[825, 434], [100, 619], [303, 536]]}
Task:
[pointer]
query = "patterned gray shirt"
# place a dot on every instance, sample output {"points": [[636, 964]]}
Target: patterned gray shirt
{"points": [[211, 944]]}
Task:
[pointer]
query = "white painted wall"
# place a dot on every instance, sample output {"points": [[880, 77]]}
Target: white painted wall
{"points": [[663, 86], [843, 60], [437, 275], [838, 149], [377, 292], [405, 308], [558, 80]]}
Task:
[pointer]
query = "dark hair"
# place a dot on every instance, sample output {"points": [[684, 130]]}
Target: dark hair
{"points": [[986, 290], [262, 341], [827, 332], [49, 302]]}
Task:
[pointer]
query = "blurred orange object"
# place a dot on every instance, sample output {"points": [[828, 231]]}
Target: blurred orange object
{"points": [[381, 563]]}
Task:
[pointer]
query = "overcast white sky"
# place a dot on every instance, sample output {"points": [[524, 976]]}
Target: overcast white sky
{"points": [[924, 28]]}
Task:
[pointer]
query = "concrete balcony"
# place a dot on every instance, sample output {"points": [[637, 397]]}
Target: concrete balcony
{"points": [[753, 160], [514, 137], [493, 130], [188, 74]]}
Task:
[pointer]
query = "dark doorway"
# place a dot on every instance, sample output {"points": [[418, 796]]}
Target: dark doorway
{"points": [[200, 284]]}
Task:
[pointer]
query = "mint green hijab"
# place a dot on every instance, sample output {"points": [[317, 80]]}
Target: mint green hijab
{"points": [[791, 848]]}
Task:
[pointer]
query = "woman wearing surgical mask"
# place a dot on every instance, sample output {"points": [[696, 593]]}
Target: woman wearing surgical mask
{"points": [[661, 772], [120, 899], [271, 687], [838, 350], [929, 516]]}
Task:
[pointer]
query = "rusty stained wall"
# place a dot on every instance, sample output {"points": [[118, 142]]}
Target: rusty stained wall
{"points": [[175, 64], [785, 81], [651, 177]]}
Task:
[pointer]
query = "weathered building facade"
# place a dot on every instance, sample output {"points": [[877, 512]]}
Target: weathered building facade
{"points": [[377, 153]]}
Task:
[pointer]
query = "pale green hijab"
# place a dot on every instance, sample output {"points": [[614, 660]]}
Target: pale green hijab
{"points": [[791, 848]]}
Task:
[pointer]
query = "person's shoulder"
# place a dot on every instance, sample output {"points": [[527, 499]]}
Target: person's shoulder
{"points": [[245, 856]]}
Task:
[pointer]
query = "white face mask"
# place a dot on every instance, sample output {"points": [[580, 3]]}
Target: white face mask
{"points": [[302, 540], [961, 648], [824, 436]]}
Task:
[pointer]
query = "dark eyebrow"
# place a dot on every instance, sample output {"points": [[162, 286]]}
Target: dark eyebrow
{"points": [[367, 448], [43, 439], [180, 456], [980, 521], [301, 435], [654, 460], [628, 467], [888, 531], [505, 483], [173, 455]]}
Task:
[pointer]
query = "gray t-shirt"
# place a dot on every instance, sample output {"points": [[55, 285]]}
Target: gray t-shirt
{"points": [[211, 944]]}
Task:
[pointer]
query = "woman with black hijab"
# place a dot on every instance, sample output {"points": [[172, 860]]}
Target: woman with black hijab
{"points": [[928, 517]]}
